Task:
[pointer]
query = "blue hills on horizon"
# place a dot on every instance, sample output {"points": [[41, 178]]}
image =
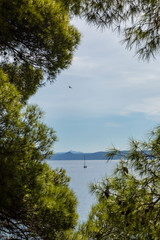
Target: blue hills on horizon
{"points": [[72, 155]]}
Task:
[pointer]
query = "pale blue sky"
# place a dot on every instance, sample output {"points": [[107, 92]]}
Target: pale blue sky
{"points": [[114, 96]]}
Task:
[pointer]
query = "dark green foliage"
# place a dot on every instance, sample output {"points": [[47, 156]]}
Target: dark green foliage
{"points": [[129, 202], [38, 33], [35, 202], [26, 79]]}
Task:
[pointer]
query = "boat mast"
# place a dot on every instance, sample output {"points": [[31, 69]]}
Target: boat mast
{"points": [[85, 166]]}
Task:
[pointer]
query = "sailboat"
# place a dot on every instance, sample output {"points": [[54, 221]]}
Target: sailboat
{"points": [[85, 166]]}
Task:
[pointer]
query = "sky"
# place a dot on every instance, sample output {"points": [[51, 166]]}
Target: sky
{"points": [[114, 96]]}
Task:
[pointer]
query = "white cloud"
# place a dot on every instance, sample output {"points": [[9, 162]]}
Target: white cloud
{"points": [[105, 80], [150, 106], [113, 125]]}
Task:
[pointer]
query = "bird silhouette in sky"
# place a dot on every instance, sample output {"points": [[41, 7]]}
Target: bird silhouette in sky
{"points": [[70, 87]]}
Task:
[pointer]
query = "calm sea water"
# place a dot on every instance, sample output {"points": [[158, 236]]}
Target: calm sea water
{"points": [[81, 177]]}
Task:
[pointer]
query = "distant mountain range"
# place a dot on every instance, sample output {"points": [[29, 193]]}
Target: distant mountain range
{"points": [[72, 155]]}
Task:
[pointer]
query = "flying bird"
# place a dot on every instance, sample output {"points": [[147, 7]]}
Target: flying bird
{"points": [[70, 87]]}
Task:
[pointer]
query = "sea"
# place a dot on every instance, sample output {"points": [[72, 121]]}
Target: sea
{"points": [[81, 178]]}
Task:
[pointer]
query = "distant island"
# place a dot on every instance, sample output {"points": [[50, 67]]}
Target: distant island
{"points": [[72, 155]]}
